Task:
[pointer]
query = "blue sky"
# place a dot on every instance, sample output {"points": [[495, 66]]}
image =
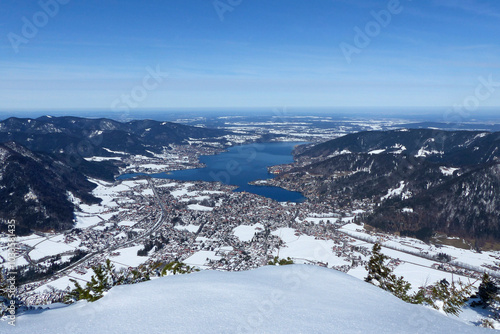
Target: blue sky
{"points": [[263, 53]]}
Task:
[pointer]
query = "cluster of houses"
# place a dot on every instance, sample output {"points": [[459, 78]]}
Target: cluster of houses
{"points": [[175, 221], [175, 157]]}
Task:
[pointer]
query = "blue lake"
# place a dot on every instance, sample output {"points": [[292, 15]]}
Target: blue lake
{"points": [[240, 165]]}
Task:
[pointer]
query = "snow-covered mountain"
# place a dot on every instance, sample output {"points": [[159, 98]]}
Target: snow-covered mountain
{"points": [[286, 299], [459, 148], [34, 188], [447, 179], [87, 137]]}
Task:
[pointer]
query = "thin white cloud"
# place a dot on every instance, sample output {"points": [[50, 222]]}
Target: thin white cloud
{"points": [[472, 6], [476, 47]]}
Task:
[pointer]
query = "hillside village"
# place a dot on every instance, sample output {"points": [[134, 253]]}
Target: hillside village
{"points": [[209, 226]]}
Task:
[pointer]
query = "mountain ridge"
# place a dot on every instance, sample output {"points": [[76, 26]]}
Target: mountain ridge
{"points": [[35, 188], [452, 147], [89, 137], [444, 181]]}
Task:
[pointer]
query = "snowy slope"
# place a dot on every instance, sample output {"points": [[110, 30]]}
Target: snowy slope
{"points": [[287, 299]]}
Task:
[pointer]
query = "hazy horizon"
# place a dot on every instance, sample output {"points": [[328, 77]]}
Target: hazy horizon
{"points": [[436, 114], [59, 54]]}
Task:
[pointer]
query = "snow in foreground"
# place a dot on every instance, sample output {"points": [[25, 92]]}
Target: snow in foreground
{"points": [[286, 299]]}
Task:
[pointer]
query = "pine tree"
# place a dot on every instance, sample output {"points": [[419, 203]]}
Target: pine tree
{"points": [[77, 293], [105, 277], [380, 274], [452, 297], [100, 282], [281, 262], [377, 270], [176, 267], [4, 295], [110, 269], [487, 291], [399, 288]]}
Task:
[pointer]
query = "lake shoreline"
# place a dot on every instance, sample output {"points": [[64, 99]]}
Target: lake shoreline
{"points": [[240, 166]]}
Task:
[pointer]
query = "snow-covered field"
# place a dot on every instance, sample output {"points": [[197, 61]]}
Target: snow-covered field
{"points": [[48, 248], [199, 258], [400, 246], [199, 207], [286, 299], [306, 248], [415, 269], [128, 257], [63, 282], [246, 233]]}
